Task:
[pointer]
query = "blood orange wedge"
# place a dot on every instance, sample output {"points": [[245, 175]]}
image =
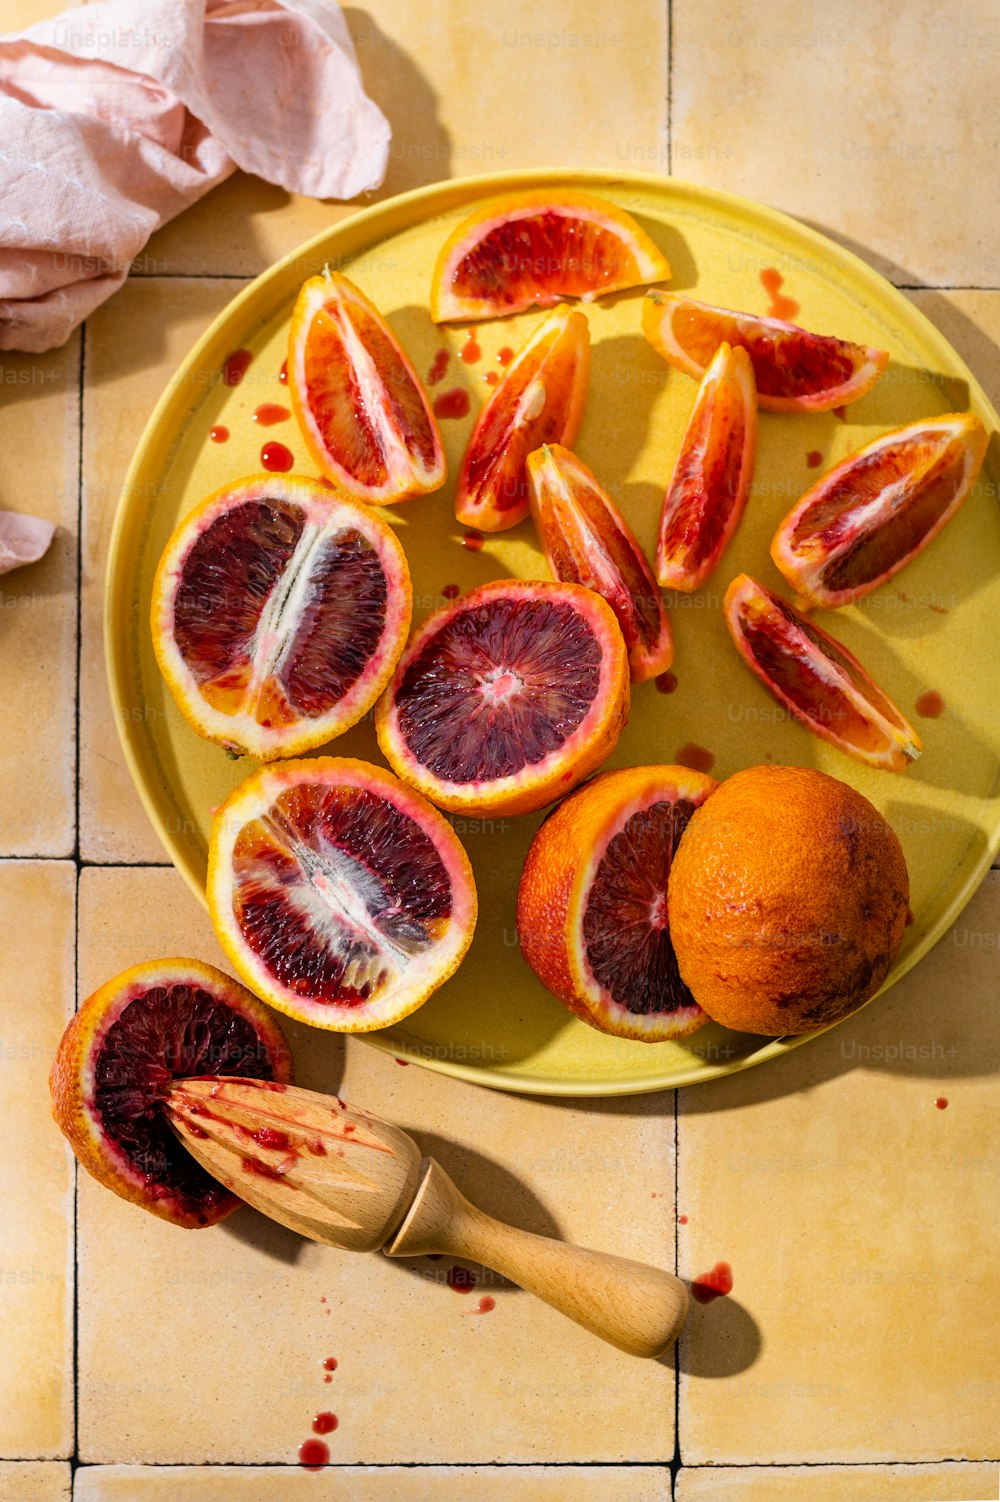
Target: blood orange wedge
{"points": [[338, 893], [279, 611], [708, 490], [537, 248], [357, 399], [507, 698], [796, 371], [816, 679], [161, 1021], [866, 518], [592, 904], [539, 399], [587, 541]]}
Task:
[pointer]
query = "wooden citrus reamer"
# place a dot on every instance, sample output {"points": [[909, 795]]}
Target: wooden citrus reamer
{"points": [[339, 1175]]}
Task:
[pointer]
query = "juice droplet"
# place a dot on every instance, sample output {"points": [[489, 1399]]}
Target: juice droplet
{"points": [[437, 370], [324, 1423], [330, 1364], [405, 1063], [453, 403], [666, 683], [270, 1137], [782, 306], [235, 366], [713, 1285], [276, 457], [327, 1378], [470, 351], [283, 373], [314, 1455], [473, 541], [486, 1303], [840, 412], [219, 434], [682, 1220], [450, 592], [696, 757], [268, 413], [942, 1102], [491, 378], [930, 706], [814, 458], [461, 1279], [505, 355]]}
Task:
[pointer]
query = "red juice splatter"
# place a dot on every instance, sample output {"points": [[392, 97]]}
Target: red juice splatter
{"points": [[666, 683], [269, 413], [782, 306], [505, 355], [930, 706], [264, 1170], [461, 1279], [713, 1285], [486, 1303], [491, 378], [327, 1378], [276, 457], [942, 1102], [814, 458], [283, 373], [235, 366], [437, 370], [330, 1364], [404, 1063], [270, 1137], [449, 592], [470, 351], [314, 1455], [317, 1148], [682, 1220], [453, 403], [219, 434], [194, 1130], [840, 412], [696, 757], [324, 1423], [473, 541]]}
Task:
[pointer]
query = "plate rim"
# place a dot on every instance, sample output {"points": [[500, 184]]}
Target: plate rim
{"points": [[443, 196]]}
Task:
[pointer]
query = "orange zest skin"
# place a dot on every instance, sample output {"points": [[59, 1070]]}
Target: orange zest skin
{"points": [[869, 516], [795, 370], [708, 490], [539, 399], [537, 248], [363, 413], [816, 679]]}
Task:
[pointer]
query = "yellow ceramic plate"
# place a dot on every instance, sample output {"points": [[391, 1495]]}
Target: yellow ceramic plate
{"points": [[933, 627]]}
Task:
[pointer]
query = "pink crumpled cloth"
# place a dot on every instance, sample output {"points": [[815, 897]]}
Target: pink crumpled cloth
{"points": [[116, 116]]}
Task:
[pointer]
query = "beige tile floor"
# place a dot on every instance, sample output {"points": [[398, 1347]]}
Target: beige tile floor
{"points": [[857, 1355]]}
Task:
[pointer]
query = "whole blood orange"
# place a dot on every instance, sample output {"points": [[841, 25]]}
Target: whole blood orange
{"points": [[507, 698], [816, 679], [338, 893], [161, 1021], [708, 490], [865, 519], [592, 903], [587, 541], [795, 371], [279, 611], [363, 412], [787, 901], [536, 248], [539, 399]]}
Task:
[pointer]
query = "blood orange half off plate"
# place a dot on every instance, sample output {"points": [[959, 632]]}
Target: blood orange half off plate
{"points": [[930, 630]]}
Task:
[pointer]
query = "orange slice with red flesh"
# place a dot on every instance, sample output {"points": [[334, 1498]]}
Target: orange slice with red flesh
{"points": [[865, 519], [363, 413], [795, 371], [279, 610], [586, 540], [592, 903], [539, 399], [508, 698], [157, 1022], [708, 490], [534, 249], [338, 893], [817, 680]]}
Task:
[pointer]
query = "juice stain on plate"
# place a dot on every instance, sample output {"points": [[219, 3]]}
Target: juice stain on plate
{"points": [[276, 457], [491, 378], [437, 370], [666, 683], [814, 458], [470, 351], [473, 541], [713, 1285], [219, 434], [781, 306], [269, 413], [930, 706], [283, 373], [698, 758], [505, 355], [235, 366], [453, 403], [942, 1102]]}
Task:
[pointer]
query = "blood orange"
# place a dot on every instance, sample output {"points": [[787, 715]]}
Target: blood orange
{"points": [[279, 611], [363, 412], [537, 248], [795, 371], [865, 519], [587, 541], [592, 904], [816, 679], [707, 493], [539, 399], [161, 1021], [338, 893], [507, 698]]}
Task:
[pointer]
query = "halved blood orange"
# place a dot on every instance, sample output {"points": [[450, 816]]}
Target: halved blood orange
{"points": [[338, 893], [708, 490], [537, 248], [587, 541], [592, 903], [865, 519], [796, 371], [157, 1022], [363, 412], [507, 698], [279, 611], [539, 399], [817, 680]]}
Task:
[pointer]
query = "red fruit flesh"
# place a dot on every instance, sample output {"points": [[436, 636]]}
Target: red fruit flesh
{"points": [[540, 258]]}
